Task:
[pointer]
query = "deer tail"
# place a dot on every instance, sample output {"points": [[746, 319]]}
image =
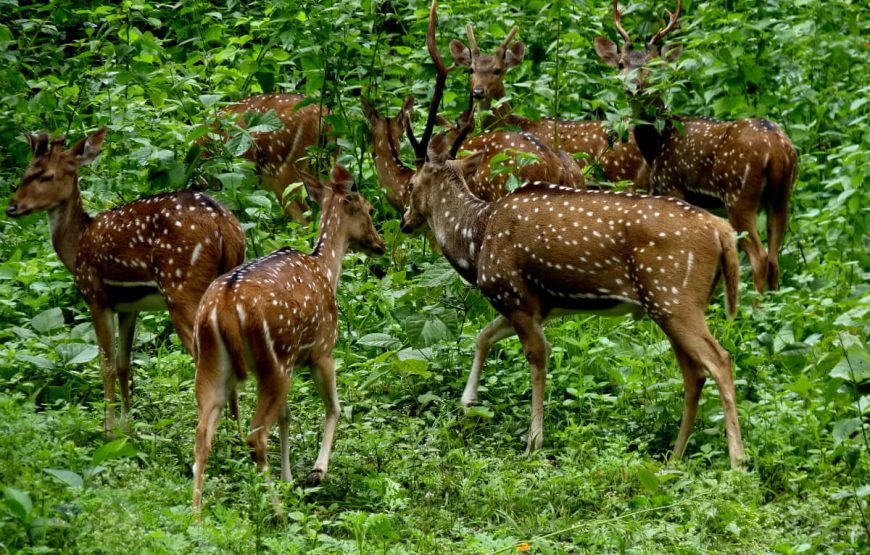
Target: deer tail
{"points": [[730, 266]]}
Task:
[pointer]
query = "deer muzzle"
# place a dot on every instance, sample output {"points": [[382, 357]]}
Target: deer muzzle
{"points": [[478, 93]]}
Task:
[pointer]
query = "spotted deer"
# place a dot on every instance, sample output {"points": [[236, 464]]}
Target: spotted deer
{"points": [[743, 165], [275, 314], [546, 250], [155, 253], [619, 160], [280, 156], [502, 156]]}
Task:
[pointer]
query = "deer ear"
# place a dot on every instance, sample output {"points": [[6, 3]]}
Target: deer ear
{"points": [[369, 112], [313, 187], [86, 150], [514, 54], [671, 52], [649, 142], [407, 110], [607, 51], [444, 122], [38, 143], [470, 164], [461, 53], [437, 152], [342, 181]]}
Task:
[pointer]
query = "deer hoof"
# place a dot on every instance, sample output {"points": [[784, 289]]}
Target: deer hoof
{"points": [[313, 480]]}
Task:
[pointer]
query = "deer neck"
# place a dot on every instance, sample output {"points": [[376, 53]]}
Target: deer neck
{"points": [[459, 220], [67, 222], [332, 243]]}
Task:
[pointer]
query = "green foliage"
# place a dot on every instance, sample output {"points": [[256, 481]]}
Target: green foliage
{"points": [[411, 471]]}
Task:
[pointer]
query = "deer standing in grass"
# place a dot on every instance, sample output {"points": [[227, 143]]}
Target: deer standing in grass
{"points": [[155, 253], [619, 160], [275, 314], [741, 165], [394, 175], [547, 250], [281, 156]]}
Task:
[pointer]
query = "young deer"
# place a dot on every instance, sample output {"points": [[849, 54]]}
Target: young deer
{"points": [[740, 165], [272, 315], [619, 160], [394, 175], [547, 250], [154, 253], [281, 156]]}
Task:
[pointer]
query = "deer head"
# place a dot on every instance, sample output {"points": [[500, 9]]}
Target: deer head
{"points": [[352, 210], [628, 58], [439, 166], [50, 179], [487, 71]]}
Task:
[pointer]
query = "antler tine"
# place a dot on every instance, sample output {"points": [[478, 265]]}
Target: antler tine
{"points": [[617, 21], [670, 26], [437, 94], [465, 124], [508, 38], [472, 43]]}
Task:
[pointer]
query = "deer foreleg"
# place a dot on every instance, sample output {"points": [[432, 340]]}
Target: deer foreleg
{"points": [[126, 332], [104, 328], [495, 331]]}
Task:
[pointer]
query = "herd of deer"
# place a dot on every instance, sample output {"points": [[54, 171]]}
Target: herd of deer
{"points": [[546, 249]]}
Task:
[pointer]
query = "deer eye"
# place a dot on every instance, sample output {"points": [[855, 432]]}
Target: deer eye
{"points": [[496, 72]]}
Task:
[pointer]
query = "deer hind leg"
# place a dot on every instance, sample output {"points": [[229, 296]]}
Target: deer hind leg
{"points": [[535, 348], [126, 332], [104, 328], [777, 220], [693, 338], [323, 373], [745, 220], [271, 396], [213, 383], [495, 331], [693, 380]]}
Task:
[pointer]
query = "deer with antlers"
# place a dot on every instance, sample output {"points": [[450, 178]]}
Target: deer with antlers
{"points": [[281, 156], [502, 149], [547, 250], [741, 165], [275, 314], [619, 160], [155, 253]]}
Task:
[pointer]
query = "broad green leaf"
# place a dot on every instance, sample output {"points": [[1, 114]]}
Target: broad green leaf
{"points": [[113, 450], [68, 477], [379, 340], [77, 353], [843, 429], [42, 362], [47, 320], [480, 411], [18, 502]]}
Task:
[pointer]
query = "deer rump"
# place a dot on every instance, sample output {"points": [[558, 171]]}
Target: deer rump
{"points": [[606, 252]]}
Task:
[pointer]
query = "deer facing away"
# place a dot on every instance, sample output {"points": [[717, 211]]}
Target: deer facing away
{"points": [[741, 165], [275, 314], [154, 253], [547, 250]]}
